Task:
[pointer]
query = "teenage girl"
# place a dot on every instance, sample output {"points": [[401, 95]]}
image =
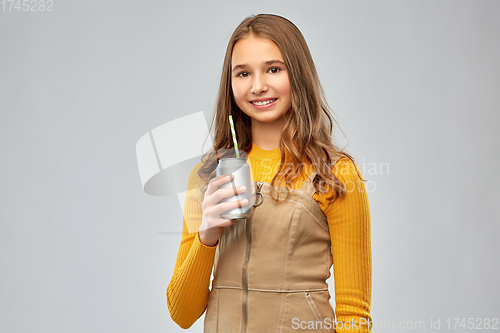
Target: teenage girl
{"points": [[270, 270]]}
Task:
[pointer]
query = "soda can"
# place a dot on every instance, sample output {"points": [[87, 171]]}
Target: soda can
{"points": [[242, 177]]}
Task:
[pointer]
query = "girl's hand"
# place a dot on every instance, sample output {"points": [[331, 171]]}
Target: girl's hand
{"points": [[212, 223]]}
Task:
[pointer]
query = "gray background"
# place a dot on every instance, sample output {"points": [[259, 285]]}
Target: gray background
{"points": [[414, 84]]}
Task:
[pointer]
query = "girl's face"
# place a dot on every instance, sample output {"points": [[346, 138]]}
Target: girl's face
{"points": [[259, 79]]}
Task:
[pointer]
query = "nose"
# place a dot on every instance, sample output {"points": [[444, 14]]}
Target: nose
{"points": [[259, 84]]}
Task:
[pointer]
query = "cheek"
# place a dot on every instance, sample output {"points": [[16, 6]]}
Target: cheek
{"points": [[285, 90], [238, 92], [282, 86]]}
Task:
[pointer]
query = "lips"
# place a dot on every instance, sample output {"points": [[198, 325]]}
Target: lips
{"points": [[263, 101]]}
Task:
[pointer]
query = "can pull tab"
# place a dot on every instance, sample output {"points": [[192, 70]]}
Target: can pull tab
{"points": [[259, 187]]}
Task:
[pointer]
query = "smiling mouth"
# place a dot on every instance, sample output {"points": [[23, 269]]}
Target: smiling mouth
{"points": [[264, 102]]}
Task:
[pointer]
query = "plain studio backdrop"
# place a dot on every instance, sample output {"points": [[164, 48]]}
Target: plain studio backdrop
{"points": [[414, 86]]}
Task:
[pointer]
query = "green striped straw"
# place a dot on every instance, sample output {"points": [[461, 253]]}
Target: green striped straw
{"points": [[234, 136]]}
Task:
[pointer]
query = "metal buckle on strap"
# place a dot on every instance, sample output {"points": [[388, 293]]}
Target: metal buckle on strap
{"points": [[259, 187]]}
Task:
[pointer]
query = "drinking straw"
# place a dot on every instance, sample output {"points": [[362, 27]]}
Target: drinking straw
{"points": [[234, 136]]}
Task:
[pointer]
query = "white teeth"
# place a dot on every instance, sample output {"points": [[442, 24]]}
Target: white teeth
{"points": [[264, 102]]}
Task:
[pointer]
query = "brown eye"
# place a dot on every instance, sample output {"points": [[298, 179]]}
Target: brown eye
{"points": [[274, 70], [243, 74]]}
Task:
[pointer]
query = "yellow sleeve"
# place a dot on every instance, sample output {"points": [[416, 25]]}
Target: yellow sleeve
{"points": [[188, 290], [349, 224]]}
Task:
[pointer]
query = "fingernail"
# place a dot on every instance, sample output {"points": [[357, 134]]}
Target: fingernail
{"points": [[244, 202], [243, 188]]}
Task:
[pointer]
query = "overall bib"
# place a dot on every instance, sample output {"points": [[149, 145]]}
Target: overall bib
{"points": [[270, 270]]}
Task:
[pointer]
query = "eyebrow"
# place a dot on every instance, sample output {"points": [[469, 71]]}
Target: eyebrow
{"points": [[267, 63]]}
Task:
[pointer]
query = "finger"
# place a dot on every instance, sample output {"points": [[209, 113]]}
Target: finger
{"points": [[222, 178], [214, 185], [227, 223], [226, 206], [229, 192], [215, 182], [221, 194], [218, 222]]}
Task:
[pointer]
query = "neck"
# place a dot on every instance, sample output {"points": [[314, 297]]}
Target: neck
{"points": [[267, 135]]}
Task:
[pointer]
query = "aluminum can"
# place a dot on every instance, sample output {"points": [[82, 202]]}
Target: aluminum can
{"points": [[242, 177]]}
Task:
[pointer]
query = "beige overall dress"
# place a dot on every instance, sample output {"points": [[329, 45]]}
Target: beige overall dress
{"points": [[270, 270]]}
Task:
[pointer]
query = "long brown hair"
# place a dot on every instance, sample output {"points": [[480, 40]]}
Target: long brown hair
{"points": [[306, 136]]}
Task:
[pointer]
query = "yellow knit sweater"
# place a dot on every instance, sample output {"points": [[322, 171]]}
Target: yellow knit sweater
{"points": [[349, 225]]}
